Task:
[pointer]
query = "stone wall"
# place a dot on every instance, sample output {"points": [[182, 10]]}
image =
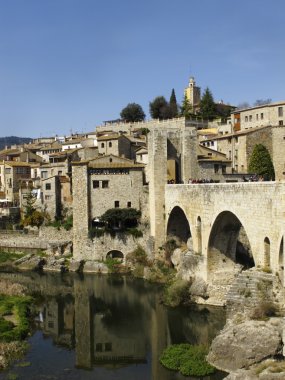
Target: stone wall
{"points": [[122, 188]]}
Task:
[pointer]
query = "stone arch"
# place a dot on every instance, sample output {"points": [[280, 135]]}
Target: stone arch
{"points": [[228, 245], [199, 234], [266, 252], [178, 225], [281, 261], [115, 254]]}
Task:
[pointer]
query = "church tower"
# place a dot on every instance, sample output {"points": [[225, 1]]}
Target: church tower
{"points": [[193, 93]]}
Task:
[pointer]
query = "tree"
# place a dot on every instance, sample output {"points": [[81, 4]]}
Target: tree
{"points": [[173, 104], [32, 217], [207, 105], [261, 102], [158, 108], [132, 112], [260, 163], [186, 109], [121, 217], [243, 105]]}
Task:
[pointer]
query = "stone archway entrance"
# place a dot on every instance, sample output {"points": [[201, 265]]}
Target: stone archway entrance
{"points": [[114, 254]]}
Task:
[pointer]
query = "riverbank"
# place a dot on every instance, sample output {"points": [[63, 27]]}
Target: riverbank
{"points": [[14, 323]]}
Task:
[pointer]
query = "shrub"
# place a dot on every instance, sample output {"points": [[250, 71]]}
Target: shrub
{"points": [[112, 264], [176, 293], [189, 360], [264, 310], [18, 306], [135, 232], [138, 256]]}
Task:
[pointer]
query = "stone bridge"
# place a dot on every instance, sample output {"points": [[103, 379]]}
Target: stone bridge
{"points": [[243, 222]]}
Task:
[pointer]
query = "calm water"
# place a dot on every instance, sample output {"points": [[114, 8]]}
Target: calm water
{"points": [[106, 327]]}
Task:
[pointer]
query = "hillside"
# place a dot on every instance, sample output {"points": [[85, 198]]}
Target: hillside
{"points": [[12, 140]]}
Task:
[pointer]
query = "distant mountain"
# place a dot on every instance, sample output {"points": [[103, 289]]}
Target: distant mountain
{"points": [[13, 140]]}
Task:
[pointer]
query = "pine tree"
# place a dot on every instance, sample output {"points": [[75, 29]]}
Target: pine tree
{"points": [[173, 104], [260, 163], [186, 109], [207, 105]]}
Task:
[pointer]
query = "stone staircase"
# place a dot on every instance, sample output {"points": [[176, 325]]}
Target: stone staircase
{"points": [[250, 287]]}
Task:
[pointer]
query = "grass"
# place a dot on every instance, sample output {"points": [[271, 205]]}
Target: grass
{"points": [[18, 308], [187, 359], [9, 256]]}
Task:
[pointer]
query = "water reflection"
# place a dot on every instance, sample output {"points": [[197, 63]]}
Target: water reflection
{"points": [[110, 322]]}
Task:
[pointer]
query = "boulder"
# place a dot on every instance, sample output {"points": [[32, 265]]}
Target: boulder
{"points": [[241, 345], [198, 288]]}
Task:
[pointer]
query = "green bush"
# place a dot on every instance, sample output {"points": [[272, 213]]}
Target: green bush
{"points": [[112, 264], [19, 307], [138, 256], [189, 360], [176, 293], [135, 232]]}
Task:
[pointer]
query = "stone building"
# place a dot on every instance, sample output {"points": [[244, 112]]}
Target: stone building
{"points": [[119, 145], [101, 184], [238, 147], [12, 173], [259, 116]]}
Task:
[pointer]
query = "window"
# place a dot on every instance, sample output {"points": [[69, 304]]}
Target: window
{"points": [[230, 154], [96, 184], [117, 204], [110, 144], [7, 170], [280, 111], [280, 122], [216, 168], [246, 119], [257, 116], [108, 346], [261, 116], [250, 117], [129, 204], [48, 186], [102, 145], [224, 169], [212, 143], [48, 197], [60, 172], [44, 174], [105, 184], [99, 347], [236, 153]]}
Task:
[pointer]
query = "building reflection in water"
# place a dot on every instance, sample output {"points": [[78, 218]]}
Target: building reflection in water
{"points": [[114, 321]]}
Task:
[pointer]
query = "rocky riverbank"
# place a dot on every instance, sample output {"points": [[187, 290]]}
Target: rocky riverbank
{"points": [[10, 351]]}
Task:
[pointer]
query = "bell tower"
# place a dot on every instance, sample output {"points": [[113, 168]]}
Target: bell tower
{"points": [[193, 93]]}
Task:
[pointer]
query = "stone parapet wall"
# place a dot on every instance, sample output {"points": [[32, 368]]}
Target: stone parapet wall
{"points": [[54, 234]]}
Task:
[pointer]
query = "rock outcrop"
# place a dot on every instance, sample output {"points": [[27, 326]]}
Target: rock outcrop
{"points": [[242, 345]]}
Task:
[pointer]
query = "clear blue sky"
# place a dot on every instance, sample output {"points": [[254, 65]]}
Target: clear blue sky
{"points": [[70, 64]]}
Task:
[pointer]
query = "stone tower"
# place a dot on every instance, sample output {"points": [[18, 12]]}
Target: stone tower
{"points": [[181, 139], [192, 92]]}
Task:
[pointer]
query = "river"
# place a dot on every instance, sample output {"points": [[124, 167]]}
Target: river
{"points": [[105, 327]]}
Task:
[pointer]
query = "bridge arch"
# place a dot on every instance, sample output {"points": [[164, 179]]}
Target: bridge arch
{"points": [[178, 225], [228, 244]]}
